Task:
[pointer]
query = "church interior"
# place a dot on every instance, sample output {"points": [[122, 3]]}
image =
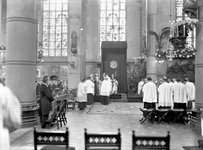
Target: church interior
{"points": [[69, 40]]}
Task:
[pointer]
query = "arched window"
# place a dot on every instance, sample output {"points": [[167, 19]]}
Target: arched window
{"points": [[180, 16], [55, 27], [112, 20]]}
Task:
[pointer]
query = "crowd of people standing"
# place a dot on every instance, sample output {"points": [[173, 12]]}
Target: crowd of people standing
{"points": [[174, 94]]}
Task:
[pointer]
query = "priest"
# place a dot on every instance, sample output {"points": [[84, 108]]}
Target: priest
{"points": [[105, 90], [180, 95], [191, 92], [90, 89], [149, 94], [165, 95]]}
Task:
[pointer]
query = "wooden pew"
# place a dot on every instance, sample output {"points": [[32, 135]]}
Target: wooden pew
{"points": [[95, 141], [150, 142], [52, 140]]}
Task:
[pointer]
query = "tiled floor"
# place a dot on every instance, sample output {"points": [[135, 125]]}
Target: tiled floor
{"points": [[181, 135]]}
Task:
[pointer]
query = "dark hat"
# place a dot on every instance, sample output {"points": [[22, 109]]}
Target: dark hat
{"points": [[53, 77], [149, 79]]}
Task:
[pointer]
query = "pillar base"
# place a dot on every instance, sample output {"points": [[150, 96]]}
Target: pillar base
{"points": [[30, 115], [195, 121]]}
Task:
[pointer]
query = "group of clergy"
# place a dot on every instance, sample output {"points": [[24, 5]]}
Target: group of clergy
{"points": [[175, 94], [93, 86]]}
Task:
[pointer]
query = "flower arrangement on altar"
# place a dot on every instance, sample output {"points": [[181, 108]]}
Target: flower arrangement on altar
{"points": [[187, 52]]}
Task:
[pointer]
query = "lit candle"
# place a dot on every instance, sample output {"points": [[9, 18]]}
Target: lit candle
{"points": [[184, 30]]}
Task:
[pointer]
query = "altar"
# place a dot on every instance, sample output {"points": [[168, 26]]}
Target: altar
{"points": [[114, 62]]}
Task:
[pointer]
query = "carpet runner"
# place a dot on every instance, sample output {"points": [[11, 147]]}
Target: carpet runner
{"points": [[116, 109]]}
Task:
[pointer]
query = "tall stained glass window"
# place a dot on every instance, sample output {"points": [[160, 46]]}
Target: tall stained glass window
{"points": [[112, 20], [55, 27], [180, 16]]}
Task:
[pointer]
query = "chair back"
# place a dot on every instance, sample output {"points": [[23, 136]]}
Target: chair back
{"points": [[107, 141], [42, 137], [150, 142]]}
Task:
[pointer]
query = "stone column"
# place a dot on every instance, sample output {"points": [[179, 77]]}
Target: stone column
{"points": [[196, 120], [3, 23], [21, 44], [40, 21], [151, 40], [74, 26], [83, 39]]}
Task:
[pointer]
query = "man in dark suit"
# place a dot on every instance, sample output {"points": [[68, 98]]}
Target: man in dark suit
{"points": [[46, 98]]}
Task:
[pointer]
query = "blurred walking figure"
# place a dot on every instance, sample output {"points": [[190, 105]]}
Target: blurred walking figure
{"points": [[82, 95], [10, 115]]}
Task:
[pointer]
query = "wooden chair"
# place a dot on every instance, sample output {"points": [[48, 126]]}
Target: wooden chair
{"points": [[102, 141], [71, 103], [150, 142], [57, 140]]}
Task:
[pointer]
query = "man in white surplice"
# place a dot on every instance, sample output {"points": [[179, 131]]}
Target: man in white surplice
{"points": [[149, 94], [165, 95], [106, 88], [191, 92], [180, 95], [140, 86]]}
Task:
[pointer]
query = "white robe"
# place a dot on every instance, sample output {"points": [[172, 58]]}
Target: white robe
{"points": [[165, 94], [114, 86], [10, 115], [81, 92], [149, 92], [190, 90], [90, 86], [180, 93], [140, 86], [105, 88]]}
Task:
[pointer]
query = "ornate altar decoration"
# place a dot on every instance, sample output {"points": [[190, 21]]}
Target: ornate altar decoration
{"points": [[180, 31], [182, 49]]}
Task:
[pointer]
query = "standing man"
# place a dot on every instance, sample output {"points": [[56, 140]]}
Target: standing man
{"points": [[105, 90], [90, 89], [140, 86], [191, 92], [46, 100], [81, 95], [149, 94], [97, 85], [165, 95], [180, 95], [114, 85]]}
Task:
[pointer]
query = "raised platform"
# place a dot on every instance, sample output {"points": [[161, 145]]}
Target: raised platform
{"points": [[135, 98], [121, 97]]}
